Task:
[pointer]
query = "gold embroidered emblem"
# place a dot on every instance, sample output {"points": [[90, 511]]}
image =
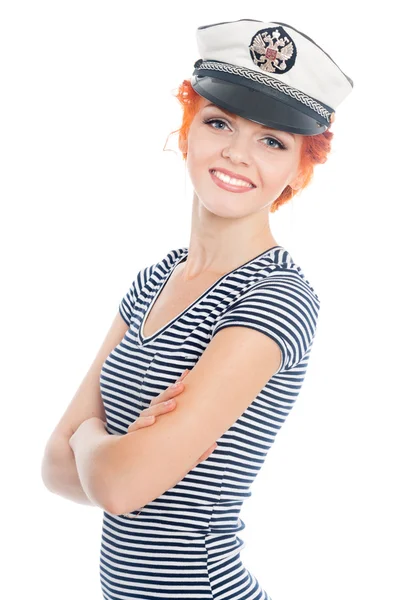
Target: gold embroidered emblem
{"points": [[272, 50]]}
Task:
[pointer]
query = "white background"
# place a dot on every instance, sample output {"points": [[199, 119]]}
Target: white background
{"points": [[88, 197]]}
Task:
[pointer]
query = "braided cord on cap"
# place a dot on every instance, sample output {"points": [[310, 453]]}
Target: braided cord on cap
{"points": [[269, 81]]}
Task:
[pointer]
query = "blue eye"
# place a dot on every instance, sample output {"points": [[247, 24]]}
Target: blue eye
{"points": [[280, 145], [212, 121]]}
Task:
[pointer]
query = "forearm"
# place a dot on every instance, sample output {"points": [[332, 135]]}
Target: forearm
{"points": [[91, 446], [61, 478]]}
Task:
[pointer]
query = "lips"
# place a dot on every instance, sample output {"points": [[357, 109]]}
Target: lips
{"points": [[234, 175], [231, 187]]}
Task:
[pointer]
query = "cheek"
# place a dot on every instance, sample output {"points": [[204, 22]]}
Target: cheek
{"points": [[274, 173], [198, 149], [198, 159]]}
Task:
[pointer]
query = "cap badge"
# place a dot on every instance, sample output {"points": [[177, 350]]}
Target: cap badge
{"points": [[273, 50]]}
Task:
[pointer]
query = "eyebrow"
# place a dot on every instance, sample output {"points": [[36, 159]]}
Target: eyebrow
{"points": [[234, 116]]}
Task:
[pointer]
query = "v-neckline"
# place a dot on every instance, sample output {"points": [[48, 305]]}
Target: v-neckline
{"points": [[144, 340]]}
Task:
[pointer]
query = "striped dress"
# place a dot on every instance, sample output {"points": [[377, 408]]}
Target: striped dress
{"points": [[185, 543]]}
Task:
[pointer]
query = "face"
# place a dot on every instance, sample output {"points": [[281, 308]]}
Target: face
{"points": [[218, 141]]}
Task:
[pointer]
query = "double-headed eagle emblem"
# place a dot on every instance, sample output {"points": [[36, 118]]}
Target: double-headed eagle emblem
{"points": [[273, 50]]}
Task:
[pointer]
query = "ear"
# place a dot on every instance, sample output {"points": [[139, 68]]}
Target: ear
{"points": [[183, 145], [297, 182]]}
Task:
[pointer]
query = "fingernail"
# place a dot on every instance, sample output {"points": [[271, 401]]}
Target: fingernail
{"points": [[168, 402], [176, 384]]}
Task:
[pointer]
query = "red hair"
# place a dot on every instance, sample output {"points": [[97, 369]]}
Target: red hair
{"points": [[314, 149]]}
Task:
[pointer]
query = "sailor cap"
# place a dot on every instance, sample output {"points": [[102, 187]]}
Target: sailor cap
{"points": [[269, 73]]}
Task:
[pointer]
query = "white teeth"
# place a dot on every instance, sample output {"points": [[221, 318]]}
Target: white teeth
{"points": [[231, 180]]}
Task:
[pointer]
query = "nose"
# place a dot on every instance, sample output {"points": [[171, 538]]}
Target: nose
{"points": [[237, 151]]}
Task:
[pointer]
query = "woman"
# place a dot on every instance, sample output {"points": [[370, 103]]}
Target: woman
{"points": [[257, 113]]}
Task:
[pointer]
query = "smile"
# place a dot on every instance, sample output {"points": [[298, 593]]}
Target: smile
{"points": [[230, 183]]}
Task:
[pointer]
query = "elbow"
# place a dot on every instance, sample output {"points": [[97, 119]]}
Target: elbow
{"points": [[120, 477], [119, 508], [111, 509], [110, 483], [113, 504], [115, 507], [101, 487], [105, 490], [125, 467], [99, 495], [119, 503]]}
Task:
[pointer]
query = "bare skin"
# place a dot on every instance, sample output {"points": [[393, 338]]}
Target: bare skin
{"points": [[158, 407], [175, 297], [229, 228]]}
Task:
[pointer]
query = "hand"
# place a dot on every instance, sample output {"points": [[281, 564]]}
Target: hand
{"points": [[158, 407]]}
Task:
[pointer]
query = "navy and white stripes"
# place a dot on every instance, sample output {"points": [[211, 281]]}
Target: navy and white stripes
{"points": [[185, 543], [284, 308]]}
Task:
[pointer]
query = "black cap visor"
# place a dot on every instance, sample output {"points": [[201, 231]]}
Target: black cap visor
{"points": [[264, 105]]}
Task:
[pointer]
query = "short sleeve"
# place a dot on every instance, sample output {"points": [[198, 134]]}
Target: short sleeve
{"points": [[285, 308], [128, 301]]}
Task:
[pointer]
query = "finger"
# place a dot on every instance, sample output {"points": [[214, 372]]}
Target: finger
{"points": [[203, 457], [140, 422], [172, 390], [147, 416], [160, 408], [185, 372], [208, 452]]}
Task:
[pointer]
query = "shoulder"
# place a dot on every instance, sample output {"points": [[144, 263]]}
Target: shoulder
{"points": [[170, 258], [159, 267], [280, 302], [147, 275], [277, 280], [286, 272]]}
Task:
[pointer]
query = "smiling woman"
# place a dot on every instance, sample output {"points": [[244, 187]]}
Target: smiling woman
{"points": [[233, 311], [314, 149]]}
